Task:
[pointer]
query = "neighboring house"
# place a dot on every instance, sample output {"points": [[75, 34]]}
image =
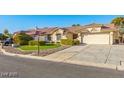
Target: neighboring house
{"points": [[89, 34]]}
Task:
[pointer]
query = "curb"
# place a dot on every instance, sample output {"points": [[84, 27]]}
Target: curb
{"points": [[20, 55], [100, 65]]}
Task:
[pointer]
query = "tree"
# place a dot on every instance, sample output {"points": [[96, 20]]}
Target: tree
{"points": [[76, 25], [118, 21], [1, 36], [6, 32], [22, 39]]}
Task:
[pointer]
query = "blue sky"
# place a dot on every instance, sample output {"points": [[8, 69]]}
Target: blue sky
{"points": [[22, 22]]}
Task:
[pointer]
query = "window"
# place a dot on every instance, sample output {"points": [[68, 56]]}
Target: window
{"points": [[58, 37], [49, 37]]}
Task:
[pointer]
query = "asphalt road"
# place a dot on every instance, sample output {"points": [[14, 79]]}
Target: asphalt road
{"points": [[28, 68]]}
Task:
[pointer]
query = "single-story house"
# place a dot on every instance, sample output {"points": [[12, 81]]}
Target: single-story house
{"points": [[89, 34]]}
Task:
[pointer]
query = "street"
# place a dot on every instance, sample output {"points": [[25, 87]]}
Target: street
{"points": [[28, 68]]}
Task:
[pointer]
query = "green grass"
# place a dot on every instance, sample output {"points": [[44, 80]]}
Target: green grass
{"points": [[44, 47]]}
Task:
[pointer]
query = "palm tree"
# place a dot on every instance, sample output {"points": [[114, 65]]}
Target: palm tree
{"points": [[118, 21]]}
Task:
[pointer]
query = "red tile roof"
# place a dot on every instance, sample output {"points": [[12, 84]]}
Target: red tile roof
{"points": [[39, 31], [75, 29], [109, 27]]}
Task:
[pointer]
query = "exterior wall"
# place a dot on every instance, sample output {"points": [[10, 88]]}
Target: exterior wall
{"points": [[111, 39], [116, 36], [69, 35], [41, 38], [97, 39], [54, 35], [80, 36]]}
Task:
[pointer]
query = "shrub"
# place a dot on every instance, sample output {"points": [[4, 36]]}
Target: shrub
{"points": [[42, 43], [76, 42], [70, 42], [52, 42], [23, 42], [33, 42], [67, 41], [22, 39]]}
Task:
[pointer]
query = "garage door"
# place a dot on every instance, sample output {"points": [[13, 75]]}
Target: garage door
{"points": [[96, 39]]}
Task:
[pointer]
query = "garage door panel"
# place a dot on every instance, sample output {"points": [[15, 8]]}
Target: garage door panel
{"points": [[96, 39]]}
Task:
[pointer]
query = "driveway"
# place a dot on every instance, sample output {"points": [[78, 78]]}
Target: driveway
{"points": [[109, 54]]}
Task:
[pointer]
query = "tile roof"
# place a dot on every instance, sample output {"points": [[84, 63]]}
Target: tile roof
{"points": [[108, 27], [47, 30], [39, 31], [75, 29], [93, 25]]}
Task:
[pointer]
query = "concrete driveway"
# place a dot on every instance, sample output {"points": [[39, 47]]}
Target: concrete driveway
{"points": [[109, 54]]}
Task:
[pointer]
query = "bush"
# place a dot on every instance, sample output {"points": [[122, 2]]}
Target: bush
{"points": [[67, 41], [70, 42], [33, 42], [22, 39], [76, 42], [23, 42], [42, 43]]}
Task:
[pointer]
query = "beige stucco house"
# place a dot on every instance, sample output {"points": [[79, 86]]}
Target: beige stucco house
{"points": [[88, 34]]}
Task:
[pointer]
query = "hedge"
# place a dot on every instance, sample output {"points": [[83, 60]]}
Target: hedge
{"points": [[70, 42], [33, 42], [42, 43], [76, 42]]}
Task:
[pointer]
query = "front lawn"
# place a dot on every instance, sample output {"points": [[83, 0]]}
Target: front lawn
{"points": [[44, 47]]}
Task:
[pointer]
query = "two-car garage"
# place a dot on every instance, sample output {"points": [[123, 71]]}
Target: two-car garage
{"points": [[101, 38]]}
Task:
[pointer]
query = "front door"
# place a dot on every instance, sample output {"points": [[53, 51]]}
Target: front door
{"points": [[75, 36]]}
